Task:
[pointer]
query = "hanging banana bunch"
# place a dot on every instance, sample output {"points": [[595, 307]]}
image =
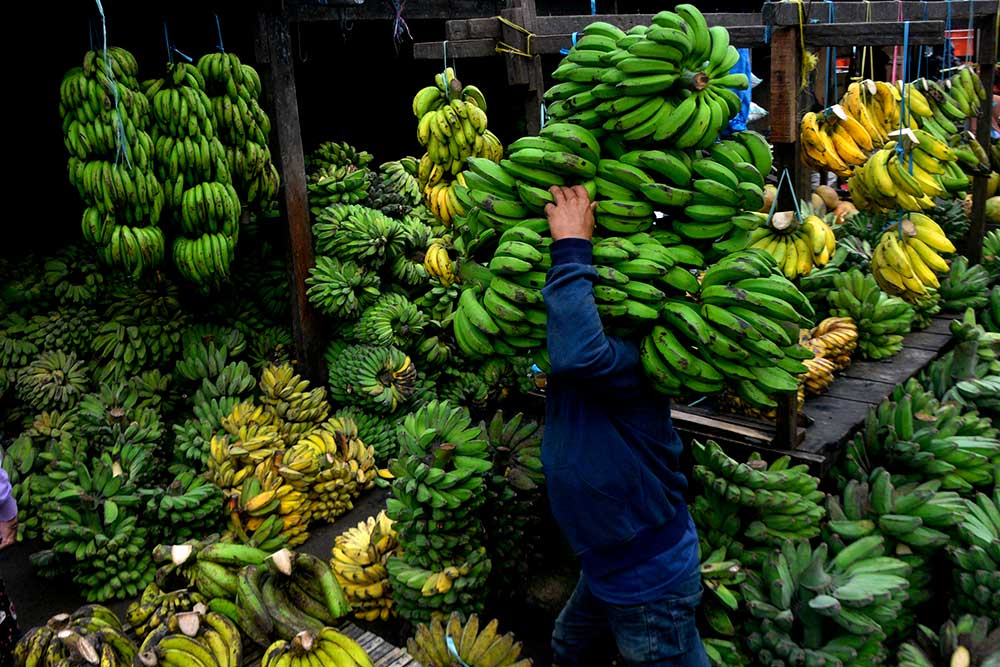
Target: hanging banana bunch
{"points": [[906, 260]]}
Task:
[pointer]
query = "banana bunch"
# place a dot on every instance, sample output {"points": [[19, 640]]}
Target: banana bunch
{"points": [[346, 468], [395, 190], [203, 360], [965, 286], [909, 179], [824, 610], [359, 562], [251, 438], [200, 637], [724, 652], [192, 164], [209, 567], [452, 126], [436, 494], [421, 594], [263, 494], [906, 259], [946, 442], [976, 556], [881, 320], [337, 173], [969, 373], [188, 505], [91, 635], [295, 409], [740, 334], [375, 430], [443, 200], [834, 141], [965, 641], [470, 644], [105, 120], [781, 501], [352, 232], [991, 255], [243, 127], [730, 402], [375, 378], [991, 312], [66, 329], [439, 265], [949, 102], [925, 307], [323, 647], [155, 607], [916, 515], [669, 81], [341, 288], [835, 339], [799, 247], [21, 460], [819, 376], [391, 320], [292, 592], [52, 381], [93, 519], [722, 577]]}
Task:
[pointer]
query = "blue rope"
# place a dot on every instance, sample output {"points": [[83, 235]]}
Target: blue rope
{"points": [[454, 651], [543, 113], [946, 56], [831, 64], [218, 29], [573, 38], [767, 34], [970, 35], [593, 7]]}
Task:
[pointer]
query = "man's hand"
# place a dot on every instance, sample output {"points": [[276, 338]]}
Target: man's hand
{"points": [[8, 533], [572, 214]]}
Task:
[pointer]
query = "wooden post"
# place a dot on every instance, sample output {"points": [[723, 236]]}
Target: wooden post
{"points": [[787, 424], [274, 47], [522, 71], [987, 66], [786, 60]]}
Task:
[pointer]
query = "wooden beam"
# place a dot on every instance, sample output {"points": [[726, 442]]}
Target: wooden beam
{"points": [[873, 34], [787, 13], [987, 57], [484, 47], [339, 10], [274, 39], [785, 77], [474, 28]]}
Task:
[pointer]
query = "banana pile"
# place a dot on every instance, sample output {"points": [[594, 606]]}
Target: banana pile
{"points": [[835, 339], [976, 556], [799, 246], [379, 379], [436, 497], [294, 408], [471, 645], [185, 506], [906, 260], [669, 81], [966, 286], [105, 120], [359, 561], [824, 609], [198, 638], [968, 374], [902, 177], [946, 442], [395, 190], [242, 125], [52, 381], [337, 173], [323, 647], [91, 635], [155, 607], [881, 320], [775, 502], [452, 127], [965, 641]]}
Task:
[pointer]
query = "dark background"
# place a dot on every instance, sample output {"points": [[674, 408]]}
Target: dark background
{"points": [[353, 84]]}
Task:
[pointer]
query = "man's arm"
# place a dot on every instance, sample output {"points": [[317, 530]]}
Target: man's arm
{"points": [[8, 512], [578, 346]]}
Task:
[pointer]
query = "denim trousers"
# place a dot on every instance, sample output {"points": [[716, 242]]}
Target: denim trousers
{"points": [[660, 633]]}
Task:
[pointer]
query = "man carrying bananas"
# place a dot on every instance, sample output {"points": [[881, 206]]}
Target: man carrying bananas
{"points": [[611, 460]]}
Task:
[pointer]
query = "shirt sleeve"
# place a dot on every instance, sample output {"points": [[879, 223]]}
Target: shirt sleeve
{"points": [[578, 347], [8, 506]]}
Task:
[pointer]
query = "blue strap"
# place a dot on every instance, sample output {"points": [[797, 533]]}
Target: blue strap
{"points": [[593, 7], [454, 651], [543, 113], [831, 64], [767, 34], [970, 40], [166, 40], [946, 56], [573, 39], [218, 28]]}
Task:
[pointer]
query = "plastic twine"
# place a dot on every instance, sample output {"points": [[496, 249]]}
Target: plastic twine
{"points": [[572, 38], [831, 63], [218, 29], [121, 143], [543, 114], [454, 651], [785, 176], [970, 39]]}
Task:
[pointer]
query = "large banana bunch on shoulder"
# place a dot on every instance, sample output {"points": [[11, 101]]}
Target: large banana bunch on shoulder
{"points": [[359, 561], [906, 260], [473, 645]]}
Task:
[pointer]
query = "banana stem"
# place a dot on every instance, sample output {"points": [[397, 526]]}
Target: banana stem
{"points": [[474, 272], [694, 80]]}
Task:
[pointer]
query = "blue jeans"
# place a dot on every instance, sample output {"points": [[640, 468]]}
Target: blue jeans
{"points": [[661, 633]]}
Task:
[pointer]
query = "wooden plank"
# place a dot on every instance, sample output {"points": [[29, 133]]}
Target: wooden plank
{"points": [[473, 28], [275, 38], [895, 371], [940, 325], [874, 34], [380, 650], [987, 66], [834, 419], [402, 660], [468, 48], [926, 341], [351, 630], [870, 392], [686, 417], [351, 10], [787, 13], [785, 76]]}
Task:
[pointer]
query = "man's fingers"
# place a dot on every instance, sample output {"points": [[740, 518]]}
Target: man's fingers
{"points": [[558, 194], [581, 192], [550, 209]]}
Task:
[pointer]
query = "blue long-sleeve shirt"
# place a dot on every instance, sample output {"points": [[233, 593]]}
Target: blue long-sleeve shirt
{"points": [[610, 452], [8, 506]]}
